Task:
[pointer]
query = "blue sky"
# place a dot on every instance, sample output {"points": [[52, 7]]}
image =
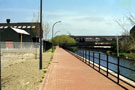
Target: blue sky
{"points": [[79, 17]]}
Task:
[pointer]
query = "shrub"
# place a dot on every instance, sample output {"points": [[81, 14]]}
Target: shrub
{"points": [[63, 40]]}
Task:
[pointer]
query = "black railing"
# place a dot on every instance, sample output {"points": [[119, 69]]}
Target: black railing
{"points": [[89, 58]]}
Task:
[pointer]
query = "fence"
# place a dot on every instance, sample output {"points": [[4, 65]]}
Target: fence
{"points": [[19, 47], [19, 65], [94, 59], [14, 51], [46, 45]]}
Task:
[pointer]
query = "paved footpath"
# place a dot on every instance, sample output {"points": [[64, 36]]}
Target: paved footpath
{"points": [[68, 73]]}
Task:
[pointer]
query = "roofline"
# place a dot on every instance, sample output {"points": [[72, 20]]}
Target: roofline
{"points": [[132, 27], [21, 23]]}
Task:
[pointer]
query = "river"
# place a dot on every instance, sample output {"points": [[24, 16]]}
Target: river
{"points": [[123, 62]]}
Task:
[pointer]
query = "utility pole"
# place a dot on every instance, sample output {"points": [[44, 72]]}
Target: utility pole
{"points": [[41, 35]]}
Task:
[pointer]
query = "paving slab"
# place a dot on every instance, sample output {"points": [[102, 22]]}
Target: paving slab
{"points": [[66, 72]]}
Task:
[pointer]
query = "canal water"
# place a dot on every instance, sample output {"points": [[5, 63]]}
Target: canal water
{"points": [[123, 62]]}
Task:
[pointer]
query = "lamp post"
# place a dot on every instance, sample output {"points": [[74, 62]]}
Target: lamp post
{"points": [[0, 60], [53, 31], [40, 57], [56, 33]]}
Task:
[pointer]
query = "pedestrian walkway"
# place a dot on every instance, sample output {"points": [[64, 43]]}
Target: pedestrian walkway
{"points": [[68, 73]]}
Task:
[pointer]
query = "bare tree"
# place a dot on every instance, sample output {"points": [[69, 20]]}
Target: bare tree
{"points": [[46, 30], [131, 19], [45, 26], [128, 42]]}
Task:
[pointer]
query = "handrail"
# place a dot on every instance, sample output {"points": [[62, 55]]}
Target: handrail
{"points": [[114, 63], [87, 55]]}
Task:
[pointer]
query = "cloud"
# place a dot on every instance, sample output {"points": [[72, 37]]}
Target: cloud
{"points": [[75, 22], [17, 10], [79, 24], [90, 18]]}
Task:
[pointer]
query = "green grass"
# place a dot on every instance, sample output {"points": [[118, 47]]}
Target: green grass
{"points": [[50, 50], [40, 81], [44, 71], [48, 62], [42, 77], [123, 54], [51, 58], [131, 56]]}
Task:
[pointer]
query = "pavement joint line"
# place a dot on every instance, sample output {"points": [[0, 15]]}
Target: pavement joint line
{"points": [[59, 78], [110, 71]]}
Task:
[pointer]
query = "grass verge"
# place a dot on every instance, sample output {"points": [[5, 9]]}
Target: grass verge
{"points": [[25, 75]]}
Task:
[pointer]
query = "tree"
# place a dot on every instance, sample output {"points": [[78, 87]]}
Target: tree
{"points": [[128, 42], [63, 39], [45, 26], [46, 30]]}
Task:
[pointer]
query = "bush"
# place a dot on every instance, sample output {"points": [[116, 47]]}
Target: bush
{"points": [[64, 40]]}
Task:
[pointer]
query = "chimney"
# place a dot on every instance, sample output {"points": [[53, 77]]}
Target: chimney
{"points": [[8, 21]]}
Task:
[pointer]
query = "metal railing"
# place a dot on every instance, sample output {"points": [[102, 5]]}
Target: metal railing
{"points": [[18, 45], [16, 59], [12, 52], [90, 57]]}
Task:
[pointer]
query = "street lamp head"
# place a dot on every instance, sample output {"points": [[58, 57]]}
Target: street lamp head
{"points": [[52, 32], [59, 21], [56, 23]]}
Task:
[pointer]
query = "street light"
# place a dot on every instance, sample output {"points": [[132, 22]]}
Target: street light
{"points": [[0, 60], [52, 32], [40, 57], [56, 33]]}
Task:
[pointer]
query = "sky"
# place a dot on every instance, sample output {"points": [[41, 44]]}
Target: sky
{"points": [[79, 17]]}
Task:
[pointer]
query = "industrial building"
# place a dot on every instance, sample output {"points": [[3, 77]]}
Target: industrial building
{"points": [[12, 32]]}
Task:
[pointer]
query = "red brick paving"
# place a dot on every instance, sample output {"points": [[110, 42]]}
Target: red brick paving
{"points": [[68, 73]]}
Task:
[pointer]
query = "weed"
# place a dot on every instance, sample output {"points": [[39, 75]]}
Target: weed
{"points": [[44, 71], [41, 81], [42, 77]]}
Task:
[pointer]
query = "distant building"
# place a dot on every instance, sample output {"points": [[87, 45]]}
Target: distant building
{"points": [[132, 31], [95, 38], [8, 32], [100, 40]]}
